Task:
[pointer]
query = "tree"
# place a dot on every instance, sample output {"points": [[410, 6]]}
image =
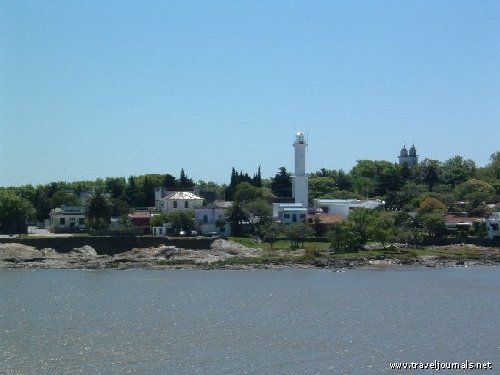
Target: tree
{"points": [[477, 195], [382, 228], [260, 212], [269, 232], [118, 207], [98, 211], [246, 192], [131, 191], [457, 170], [361, 219], [431, 204], [185, 183], [281, 184], [182, 221], [14, 212], [116, 186], [297, 233], [169, 181], [429, 171], [160, 219], [343, 236], [434, 223], [63, 197], [236, 215]]}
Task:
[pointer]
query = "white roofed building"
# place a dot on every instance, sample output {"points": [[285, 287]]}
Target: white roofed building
{"points": [[342, 207], [172, 201]]}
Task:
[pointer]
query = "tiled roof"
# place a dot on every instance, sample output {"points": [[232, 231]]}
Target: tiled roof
{"points": [[182, 195], [327, 218]]}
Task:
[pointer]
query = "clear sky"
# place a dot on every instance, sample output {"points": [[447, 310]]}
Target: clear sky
{"points": [[117, 88]]}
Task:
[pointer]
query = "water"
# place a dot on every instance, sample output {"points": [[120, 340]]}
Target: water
{"points": [[236, 322]]}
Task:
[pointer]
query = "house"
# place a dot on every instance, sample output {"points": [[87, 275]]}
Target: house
{"points": [[172, 201], [67, 219], [207, 218], [141, 221], [342, 207], [289, 213], [459, 222], [322, 222], [164, 230], [493, 226]]}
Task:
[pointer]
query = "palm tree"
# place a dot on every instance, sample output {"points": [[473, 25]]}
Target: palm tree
{"points": [[98, 211]]}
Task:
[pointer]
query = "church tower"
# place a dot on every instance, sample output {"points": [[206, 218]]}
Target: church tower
{"points": [[409, 158], [300, 188]]}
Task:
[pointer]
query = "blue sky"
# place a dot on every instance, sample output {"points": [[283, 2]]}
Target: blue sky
{"points": [[117, 88]]}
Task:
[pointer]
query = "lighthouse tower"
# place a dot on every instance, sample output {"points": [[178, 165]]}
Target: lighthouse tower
{"points": [[300, 188]]}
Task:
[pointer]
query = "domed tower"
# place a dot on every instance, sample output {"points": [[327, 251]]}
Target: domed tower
{"points": [[409, 158], [300, 188]]}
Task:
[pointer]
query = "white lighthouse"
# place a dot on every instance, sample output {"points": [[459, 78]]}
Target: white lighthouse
{"points": [[300, 188]]}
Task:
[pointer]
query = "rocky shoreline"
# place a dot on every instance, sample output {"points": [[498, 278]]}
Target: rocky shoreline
{"points": [[219, 256]]}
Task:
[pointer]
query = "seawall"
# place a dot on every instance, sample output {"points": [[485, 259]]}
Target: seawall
{"points": [[106, 245]]}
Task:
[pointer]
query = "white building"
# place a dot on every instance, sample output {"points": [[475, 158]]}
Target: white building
{"points": [[493, 225], [289, 213], [172, 201], [67, 219], [208, 218], [300, 185], [342, 207]]}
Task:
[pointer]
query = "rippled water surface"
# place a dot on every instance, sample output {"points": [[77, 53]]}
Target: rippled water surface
{"points": [[231, 322]]}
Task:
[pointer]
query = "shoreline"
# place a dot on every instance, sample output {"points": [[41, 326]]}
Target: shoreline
{"points": [[229, 255]]}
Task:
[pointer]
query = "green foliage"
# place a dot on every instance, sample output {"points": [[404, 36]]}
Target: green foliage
{"points": [[297, 233], [246, 192], [382, 228], [182, 220], [160, 219], [344, 237], [429, 172], [430, 204], [479, 230], [477, 194], [237, 179], [260, 212], [281, 184], [236, 216], [269, 232], [361, 219], [14, 212], [457, 170], [376, 177], [97, 212], [434, 223]]}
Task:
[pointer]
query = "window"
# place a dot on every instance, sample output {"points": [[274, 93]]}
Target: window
{"points": [[205, 218], [302, 216], [62, 221], [81, 221], [186, 204], [72, 219], [286, 216], [175, 204]]}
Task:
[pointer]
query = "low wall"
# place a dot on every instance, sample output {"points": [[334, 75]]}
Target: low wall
{"points": [[110, 245]]}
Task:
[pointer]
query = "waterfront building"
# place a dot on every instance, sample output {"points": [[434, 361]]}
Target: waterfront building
{"points": [[172, 201], [67, 219], [342, 207], [209, 218], [289, 213]]}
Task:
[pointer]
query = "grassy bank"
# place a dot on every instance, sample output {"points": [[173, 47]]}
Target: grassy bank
{"points": [[317, 252]]}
